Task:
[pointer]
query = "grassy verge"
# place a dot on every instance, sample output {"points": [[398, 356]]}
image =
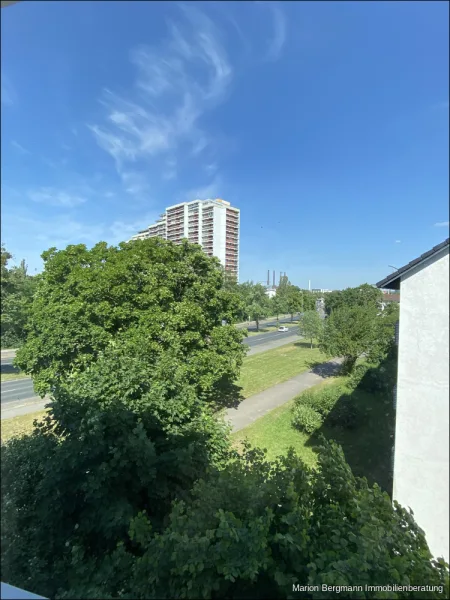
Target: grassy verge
{"points": [[262, 371], [11, 376], [18, 426], [367, 448]]}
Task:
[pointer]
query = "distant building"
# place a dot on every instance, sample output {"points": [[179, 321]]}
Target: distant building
{"points": [[214, 224], [321, 291], [389, 296], [421, 399], [271, 292]]}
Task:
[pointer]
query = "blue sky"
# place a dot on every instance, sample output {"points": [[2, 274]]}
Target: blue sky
{"points": [[326, 123]]}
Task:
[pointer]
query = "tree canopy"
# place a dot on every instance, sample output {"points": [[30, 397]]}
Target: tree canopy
{"points": [[148, 298], [311, 325], [17, 290], [353, 331], [363, 295]]}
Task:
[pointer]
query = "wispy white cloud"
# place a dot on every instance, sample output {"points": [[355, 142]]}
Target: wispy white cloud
{"points": [[9, 95], [174, 87], [278, 40], [204, 191], [398, 241], [121, 231], [19, 147], [442, 224], [56, 197]]}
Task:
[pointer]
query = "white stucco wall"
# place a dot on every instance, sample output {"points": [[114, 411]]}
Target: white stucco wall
{"points": [[421, 459]]}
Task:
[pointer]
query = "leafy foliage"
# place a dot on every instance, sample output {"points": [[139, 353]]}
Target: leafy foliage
{"points": [[306, 418], [363, 295], [311, 325], [351, 331], [17, 290], [149, 298], [334, 404], [256, 302], [255, 529], [91, 466]]}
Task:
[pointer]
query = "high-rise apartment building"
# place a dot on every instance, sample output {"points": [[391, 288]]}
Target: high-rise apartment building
{"points": [[214, 224]]}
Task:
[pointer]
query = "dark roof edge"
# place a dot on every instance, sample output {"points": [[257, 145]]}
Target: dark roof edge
{"points": [[392, 279]]}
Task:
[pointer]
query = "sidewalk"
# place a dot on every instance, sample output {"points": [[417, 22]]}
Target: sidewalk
{"points": [[251, 409]]}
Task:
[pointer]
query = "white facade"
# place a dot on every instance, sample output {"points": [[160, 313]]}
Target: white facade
{"points": [[271, 292], [214, 224], [421, 456]]}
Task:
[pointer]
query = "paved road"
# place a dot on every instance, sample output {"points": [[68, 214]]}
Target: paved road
{"points": [[264, 338], [17, 389], [21, 390]]}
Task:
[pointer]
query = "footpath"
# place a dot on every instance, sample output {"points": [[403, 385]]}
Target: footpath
{"points": [[254, 407]]}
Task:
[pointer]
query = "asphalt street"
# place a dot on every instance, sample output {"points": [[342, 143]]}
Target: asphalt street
{"points": [[264, 338], [22, 389], [17, 389]]}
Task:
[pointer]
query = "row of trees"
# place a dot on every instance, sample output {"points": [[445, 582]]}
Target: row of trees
{"points": [[17, 290], [256, 304], [130, 487]]}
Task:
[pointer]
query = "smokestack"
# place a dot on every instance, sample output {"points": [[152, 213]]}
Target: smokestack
{"points": [[274, 279], [268, 277], [309, 285]]}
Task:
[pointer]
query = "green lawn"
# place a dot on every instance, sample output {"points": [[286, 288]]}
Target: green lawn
{"points": [[367, 448], [264, 370], [10, 376], [18, 426]]}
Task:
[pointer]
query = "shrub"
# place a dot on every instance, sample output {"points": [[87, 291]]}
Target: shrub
{"points": [[321, 401], [306, 418], [73, 489], [258, 527]]}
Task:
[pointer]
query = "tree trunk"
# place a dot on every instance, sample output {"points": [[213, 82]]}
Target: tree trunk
{"points": [[292, 317], [257, 324], [311, 343]]}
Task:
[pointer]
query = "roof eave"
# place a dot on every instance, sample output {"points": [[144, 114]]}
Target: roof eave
{"points": [[390, 283]]}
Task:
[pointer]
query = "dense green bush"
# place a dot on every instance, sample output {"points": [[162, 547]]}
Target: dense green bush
{"points": [[257, 528], [305, 418], [79, 487], [322, 400]]}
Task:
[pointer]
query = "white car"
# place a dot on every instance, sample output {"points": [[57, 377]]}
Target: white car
{"points": [[283, 328]]}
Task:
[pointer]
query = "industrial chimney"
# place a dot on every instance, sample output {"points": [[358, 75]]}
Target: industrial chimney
{"points": [[274, 279], [268, 277]]}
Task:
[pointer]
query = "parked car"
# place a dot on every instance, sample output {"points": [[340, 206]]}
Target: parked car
{"points": [[283, 328]]}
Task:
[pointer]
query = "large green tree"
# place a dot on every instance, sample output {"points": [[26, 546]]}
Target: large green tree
{"points": [[311, 325], [363, 295], [150, 299], [258, 304], [17, 290], [294, 300], [353, 331]]}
